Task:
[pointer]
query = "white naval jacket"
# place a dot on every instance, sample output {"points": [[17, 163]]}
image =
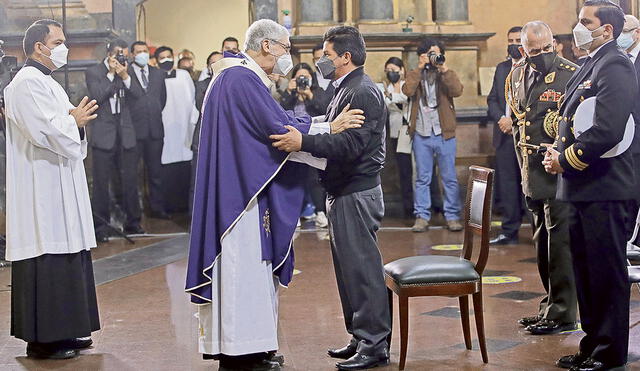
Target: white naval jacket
{"points": [[48, 206]]}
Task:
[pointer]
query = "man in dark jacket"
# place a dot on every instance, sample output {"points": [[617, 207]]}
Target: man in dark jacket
{"points": [[352, 180], [113, 141], [508, 187], [597, 188], [533, 96], [146, 98]]}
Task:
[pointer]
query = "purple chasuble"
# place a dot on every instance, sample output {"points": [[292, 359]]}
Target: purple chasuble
{"points": [[237, 164]]}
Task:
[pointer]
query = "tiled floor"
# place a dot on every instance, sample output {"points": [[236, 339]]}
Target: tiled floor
{"points": [[148, 323]]}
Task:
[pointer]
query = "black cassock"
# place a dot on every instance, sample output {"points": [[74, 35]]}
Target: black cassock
{"points": [[53, 298]]}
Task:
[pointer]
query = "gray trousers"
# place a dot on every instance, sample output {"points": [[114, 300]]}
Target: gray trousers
{"points": [[551, 239], [354, 220]]}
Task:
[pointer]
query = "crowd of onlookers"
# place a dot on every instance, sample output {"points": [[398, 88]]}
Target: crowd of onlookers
{"points": [[149, 100]]}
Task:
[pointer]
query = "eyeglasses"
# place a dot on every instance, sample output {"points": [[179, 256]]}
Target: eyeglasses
{"points": [[286, 47]]}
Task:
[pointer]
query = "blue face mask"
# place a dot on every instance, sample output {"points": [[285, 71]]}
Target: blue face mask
{"points": [[141, 59], [625, 40]]}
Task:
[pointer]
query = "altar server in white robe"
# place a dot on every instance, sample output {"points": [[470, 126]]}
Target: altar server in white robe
{"points": [[179, 118], [49, 222]]}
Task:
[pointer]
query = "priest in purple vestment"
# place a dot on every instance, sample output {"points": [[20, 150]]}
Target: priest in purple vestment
{"points": [[247, 201]]}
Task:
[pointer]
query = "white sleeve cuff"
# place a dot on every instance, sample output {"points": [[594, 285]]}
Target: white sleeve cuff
{"points": [[320, 128], [127, 82], [110, 76]]}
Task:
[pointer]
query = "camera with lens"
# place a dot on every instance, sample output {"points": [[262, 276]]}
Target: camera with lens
{"points": [[435, 60], [302, 82], [121, 58]]}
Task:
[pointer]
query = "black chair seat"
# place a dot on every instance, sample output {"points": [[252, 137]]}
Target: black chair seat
{"points": [[634, 274], [633, 255], [431, 270]]}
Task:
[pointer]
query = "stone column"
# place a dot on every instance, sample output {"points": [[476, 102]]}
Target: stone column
{"points": [[376, 10], [317, 11], [451, 10]]}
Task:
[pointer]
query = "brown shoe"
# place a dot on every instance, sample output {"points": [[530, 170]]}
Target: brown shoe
{"points": [[421, 225], [454, 225]]}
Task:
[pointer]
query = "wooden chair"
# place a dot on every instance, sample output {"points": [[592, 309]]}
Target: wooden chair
{"points": [[453, 276]]}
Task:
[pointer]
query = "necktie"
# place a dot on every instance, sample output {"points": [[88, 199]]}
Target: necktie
{"points": [[145, 81]]}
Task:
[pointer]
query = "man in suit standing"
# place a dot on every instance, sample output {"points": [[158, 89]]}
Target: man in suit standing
{"points": [[596, 188], [146, 99], [509, 189], [535, 88], [629, 41], [355, 205], [113, 140]]}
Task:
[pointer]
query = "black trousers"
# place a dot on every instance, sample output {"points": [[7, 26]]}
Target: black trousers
{"points": [[316, 190], [405, 178], [633, 205], [509, 184], [106, 163], [150, 150], [354, 220], [551, 239], [598, 247], [176, 181]]}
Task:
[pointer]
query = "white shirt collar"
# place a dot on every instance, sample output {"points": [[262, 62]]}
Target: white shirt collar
{"points": [[106, 63], [138, 68], [593, 53], [336, 83], [635, 51]]}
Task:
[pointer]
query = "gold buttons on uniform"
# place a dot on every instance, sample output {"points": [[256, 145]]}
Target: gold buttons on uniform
{"points": [[530, 152], [580, 152], [548, 109], [564, 139], [528, 123], [528, 137], [528, 109]]}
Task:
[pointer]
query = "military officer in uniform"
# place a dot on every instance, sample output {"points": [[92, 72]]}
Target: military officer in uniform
{"points": [[597, 187], [534, 88]]}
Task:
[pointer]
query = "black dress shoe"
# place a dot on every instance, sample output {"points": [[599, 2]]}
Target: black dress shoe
{"points": [[550, 327], [590, 364], [49, 351], [503, 239], [343, 353], [160, 215], [78, 343], [275, 357], [261, 365], [135, 229], [528, 321], [571, 360], [362, 362]]}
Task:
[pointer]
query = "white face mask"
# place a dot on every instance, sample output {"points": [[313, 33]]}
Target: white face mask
{"points": [[58, 55], [583, 36], [284, 64]]}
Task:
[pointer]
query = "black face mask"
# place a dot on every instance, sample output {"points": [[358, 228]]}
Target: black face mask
{"points": [[326, 67], [514, 51], [393, 76], [167, 66], [542, 62]]}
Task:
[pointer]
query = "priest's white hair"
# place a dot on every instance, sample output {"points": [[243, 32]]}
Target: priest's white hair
{"points": [[264, 29]]}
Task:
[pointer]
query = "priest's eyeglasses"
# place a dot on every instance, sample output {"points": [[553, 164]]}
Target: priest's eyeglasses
{"points": [[286, 47]]}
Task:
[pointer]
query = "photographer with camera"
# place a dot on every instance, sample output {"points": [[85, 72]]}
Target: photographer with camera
{"points": [[431, 89], [113, 141]]}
